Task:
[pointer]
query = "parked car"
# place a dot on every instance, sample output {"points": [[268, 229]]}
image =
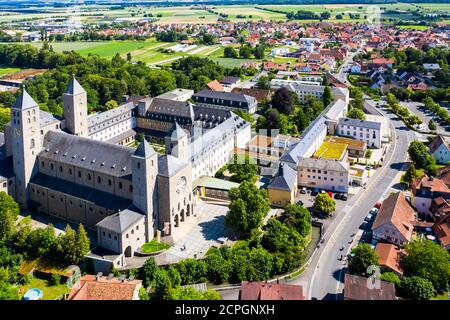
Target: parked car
{"points": [[337, 196], [378, 205], [300, 203], [344, 197], [315, 191], [364, 225], [368, 218], [330, 194], [368, 167], [303, 190], [374, 211]]}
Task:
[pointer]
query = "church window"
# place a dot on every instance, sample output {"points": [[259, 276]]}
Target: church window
{"points": [[51, 166], [99, 180], [79, 174], [60, 169], [109, 182], [89, 176], [120, 185]]}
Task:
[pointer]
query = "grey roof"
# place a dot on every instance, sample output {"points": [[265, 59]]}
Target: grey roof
{"points": [[6, 168], [230, 80], [286, 179], [233, 96], [169, 165], [436, 143], [47, 118], [315, 128], [322, 164], [121, 136], [87, 153], [209, 139], [99, 118], [306, 87], [24, 101], [121, 221], [144, 150], [171, 107], [99, 198], [174, 94], [360, 123], [178, 132], [74, 87]]}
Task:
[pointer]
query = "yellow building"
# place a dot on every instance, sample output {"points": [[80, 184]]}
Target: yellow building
{"points": [[283, 188]]}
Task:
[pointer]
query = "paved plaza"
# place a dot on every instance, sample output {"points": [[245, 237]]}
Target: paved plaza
{"points": [[210, 227]]}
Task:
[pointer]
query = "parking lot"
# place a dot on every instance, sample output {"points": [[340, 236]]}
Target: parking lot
{"points": [[308, 202], [425, 115]]}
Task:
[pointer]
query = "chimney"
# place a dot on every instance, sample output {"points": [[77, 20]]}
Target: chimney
{"points": [[98, 276]]}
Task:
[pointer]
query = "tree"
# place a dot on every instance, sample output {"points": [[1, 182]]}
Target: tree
{"points": [[391, 277], [245, 52], [162, 284], [297, 217], [143, 294], [325, 15], [355, 113], [431, 125], [55, 279], [326, 96], [148, 271], [324, 203], [263, 82], [248, 207], [339, 16], [67, 246], [82, 244], [8, 292], [243, 170], [410, 174], [218, 267], [283, 100], [391, 99], [357, 98], [9, 210], [229, 52], [111, 104], [259, 52], [417, 288], [428, 260], [41, 241], [189, 293], [129, 57], [5, 117], [418, 152], [363, 257]]}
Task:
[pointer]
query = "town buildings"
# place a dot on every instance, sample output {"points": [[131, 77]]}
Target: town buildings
{"points": [[357, 288], [259, 290], [367, 131]]}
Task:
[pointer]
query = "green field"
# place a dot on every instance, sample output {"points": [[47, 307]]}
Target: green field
{"points": [[5, 71], [414, 27]]}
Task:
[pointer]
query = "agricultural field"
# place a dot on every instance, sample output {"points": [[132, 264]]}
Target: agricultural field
{"points": [[250, 12]]}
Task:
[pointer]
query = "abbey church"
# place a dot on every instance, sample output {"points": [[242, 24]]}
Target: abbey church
{"points": [[79, 169]]}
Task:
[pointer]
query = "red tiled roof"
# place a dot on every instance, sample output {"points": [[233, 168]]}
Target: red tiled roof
{"points": [[215, 85], [397, 211], [390, 256], [356, 288], [103, 289], [259, 290]]}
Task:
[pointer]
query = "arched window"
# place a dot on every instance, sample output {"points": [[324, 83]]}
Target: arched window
{"points": [[99, 180], [120, 185], [89, 176]]}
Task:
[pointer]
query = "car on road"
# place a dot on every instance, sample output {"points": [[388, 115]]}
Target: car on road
{"points": [[344, 197], [300, 203], [368, 167], [368, 218], [315, 191], [364, 225], [373, 211], [303, 190], [337, 196]]}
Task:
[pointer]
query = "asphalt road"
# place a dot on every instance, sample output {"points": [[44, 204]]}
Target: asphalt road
{"points": [[326, 273]]}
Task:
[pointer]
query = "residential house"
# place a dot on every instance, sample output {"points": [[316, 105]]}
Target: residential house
{"points": [[259, 290], [357, 288], [442, 230], [368, 131], [230, 82], [394, 221], [215, 86], [98, 287], [326, 174], [425, 189], [390, 257], [440, 150]]}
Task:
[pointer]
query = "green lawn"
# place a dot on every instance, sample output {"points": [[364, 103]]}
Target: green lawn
{"points": [[154, 246], [331, 150], [49, 292], [415, 27], [443, 296], [5, 71]]}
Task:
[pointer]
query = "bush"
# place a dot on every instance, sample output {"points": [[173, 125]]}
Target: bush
{"points": [[55, 279], [391, 277]]}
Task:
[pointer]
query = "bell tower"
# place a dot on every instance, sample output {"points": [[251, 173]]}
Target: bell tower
{"points": [[75, 109], [26, 143]]}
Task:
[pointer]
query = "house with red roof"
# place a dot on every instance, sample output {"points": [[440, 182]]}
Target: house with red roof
{"points": [[260, 290], [389, 257], [442, 231], [425, 189]]}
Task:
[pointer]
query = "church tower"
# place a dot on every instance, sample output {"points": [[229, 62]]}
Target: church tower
{"points": [[75, 109], [177, 143], [26, 143], [144, 174]]}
